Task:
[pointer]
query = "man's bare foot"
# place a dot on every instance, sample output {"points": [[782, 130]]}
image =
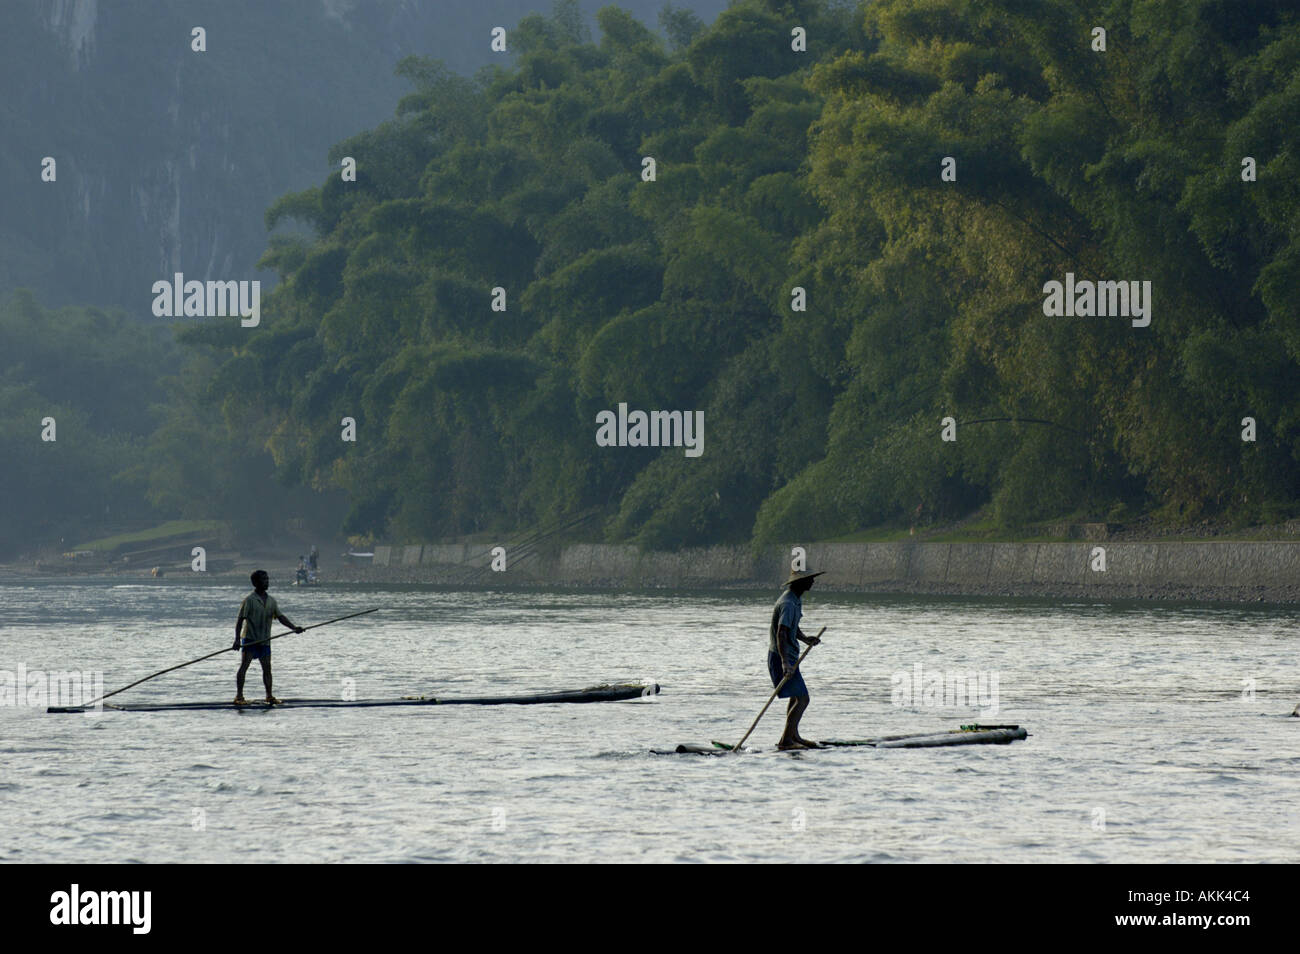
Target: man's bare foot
{"points": [[240, 701], [788, 746], [807, 744], [273, 701]]}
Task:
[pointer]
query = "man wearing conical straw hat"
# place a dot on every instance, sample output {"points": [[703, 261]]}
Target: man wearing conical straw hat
{"points": [[784, 636]]}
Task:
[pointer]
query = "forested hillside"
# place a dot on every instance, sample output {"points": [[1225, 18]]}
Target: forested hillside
{"points": [[79, 396], [778, 169], [921, 172]]}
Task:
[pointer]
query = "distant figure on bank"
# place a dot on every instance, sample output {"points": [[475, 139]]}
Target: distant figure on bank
{"points": [[784, 636], [302, 570], [313, 559], [253, 631]]}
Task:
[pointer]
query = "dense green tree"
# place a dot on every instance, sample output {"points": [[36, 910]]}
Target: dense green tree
{"points": [[777, 170], [97, 375]]}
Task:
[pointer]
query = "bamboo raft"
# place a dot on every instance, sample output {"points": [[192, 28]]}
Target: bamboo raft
{"points": [[966, 735], [602, 693]]}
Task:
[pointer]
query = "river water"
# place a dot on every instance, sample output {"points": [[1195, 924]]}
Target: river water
{"points": [[1158, 733]]}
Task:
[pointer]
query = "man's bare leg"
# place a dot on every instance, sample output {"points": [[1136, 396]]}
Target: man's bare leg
{"points": [[802, 703], [239, 680], [794, 712], [266, 681]]}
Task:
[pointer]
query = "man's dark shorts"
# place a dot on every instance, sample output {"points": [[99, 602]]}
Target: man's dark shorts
{"points": [[795, 687], [257, 652]]}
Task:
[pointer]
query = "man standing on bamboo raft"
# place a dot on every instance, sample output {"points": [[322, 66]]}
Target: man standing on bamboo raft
{"points": [[784, 636], [253, 631]]}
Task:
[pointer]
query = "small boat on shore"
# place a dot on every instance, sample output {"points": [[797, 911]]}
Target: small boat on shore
{"points": [[966, 735], [602, 693]]}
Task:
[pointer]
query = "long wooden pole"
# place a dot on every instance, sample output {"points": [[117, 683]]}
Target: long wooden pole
{"points": [[779, 686], [226, 650]]}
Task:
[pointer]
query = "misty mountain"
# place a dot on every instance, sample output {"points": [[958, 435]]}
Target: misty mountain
{"points": [[166, 158]]}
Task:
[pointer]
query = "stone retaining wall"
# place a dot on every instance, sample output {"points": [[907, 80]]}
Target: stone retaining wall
{"points": [[1170, 570]]}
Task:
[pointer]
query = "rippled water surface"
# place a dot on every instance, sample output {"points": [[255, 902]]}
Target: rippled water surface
{"points": [[1147, 743]]}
